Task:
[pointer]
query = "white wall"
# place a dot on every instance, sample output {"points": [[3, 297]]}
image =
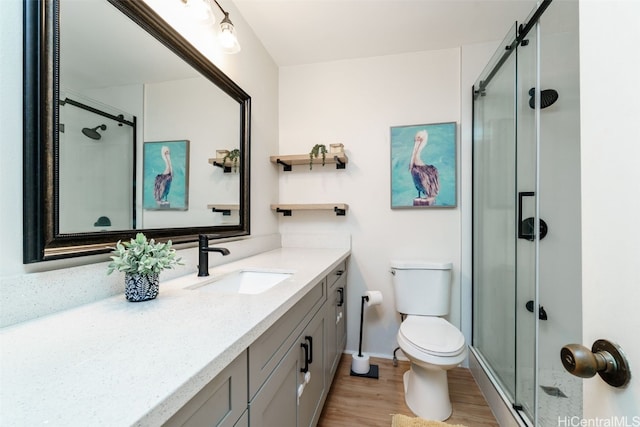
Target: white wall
{"points": [[28, 291], [355, 102], [610, 108], [195, 110]]}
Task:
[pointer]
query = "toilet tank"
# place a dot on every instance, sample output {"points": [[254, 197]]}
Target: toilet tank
{"points": [[422, 288]]}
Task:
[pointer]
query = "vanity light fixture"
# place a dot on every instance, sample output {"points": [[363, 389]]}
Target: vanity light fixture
{"points": [[199, 11], [227, 36]]}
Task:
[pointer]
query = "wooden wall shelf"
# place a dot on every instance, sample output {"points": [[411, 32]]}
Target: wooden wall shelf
{"points": [[286, 209], [339, 159], [227, 167], [225, 209]]}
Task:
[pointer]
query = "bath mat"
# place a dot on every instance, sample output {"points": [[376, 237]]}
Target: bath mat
{"points": [[400, 420]]}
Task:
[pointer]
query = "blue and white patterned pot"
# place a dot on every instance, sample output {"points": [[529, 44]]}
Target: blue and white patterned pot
{"points": [[140, 287]]}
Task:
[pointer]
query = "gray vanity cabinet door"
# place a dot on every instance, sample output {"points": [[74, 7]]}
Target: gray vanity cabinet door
{"points": [[331, 344], [312, 397], [243, 421], [268, 349], [220, 403], [336, 320], [341, 316], [282, 401], [275, 404]]}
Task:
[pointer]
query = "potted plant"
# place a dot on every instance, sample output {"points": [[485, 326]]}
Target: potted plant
{"points": [[232, 156], [142, 261], [318, 149]]}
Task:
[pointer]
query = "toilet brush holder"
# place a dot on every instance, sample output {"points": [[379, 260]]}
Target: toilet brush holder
{"points": [[360, 366]]}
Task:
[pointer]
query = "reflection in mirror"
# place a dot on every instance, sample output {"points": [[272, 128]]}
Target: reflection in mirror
{"points": [[96, 151], [129, 131]]}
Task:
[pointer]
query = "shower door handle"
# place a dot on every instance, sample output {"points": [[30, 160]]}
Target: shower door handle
{"points": [[526, 227]]}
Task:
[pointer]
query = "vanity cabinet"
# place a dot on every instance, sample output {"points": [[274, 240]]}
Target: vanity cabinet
{"points": [[289, 377], [286, 373], [286, 366], [221, 403], [294, 393], [266, 352]]}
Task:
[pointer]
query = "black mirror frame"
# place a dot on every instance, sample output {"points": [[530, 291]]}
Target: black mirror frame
{"points": [[41, 238]]}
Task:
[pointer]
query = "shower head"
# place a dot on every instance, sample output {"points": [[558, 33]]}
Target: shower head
{"points": [[547, 97], [93, 132]]}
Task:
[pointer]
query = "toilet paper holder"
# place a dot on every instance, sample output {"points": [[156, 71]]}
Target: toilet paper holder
{"points": [[360, 366]]}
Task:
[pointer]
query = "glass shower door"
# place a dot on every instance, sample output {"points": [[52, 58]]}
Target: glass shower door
{"points": [[505, 206], [494, 225], [526, 216], [560, 267], [527, 243]]}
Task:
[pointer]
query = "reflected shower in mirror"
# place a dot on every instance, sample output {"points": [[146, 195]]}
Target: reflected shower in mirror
{"points": [[115, 79], [96, 150]]}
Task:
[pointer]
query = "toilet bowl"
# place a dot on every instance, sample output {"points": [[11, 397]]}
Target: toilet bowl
{"points": [[433, 345]]}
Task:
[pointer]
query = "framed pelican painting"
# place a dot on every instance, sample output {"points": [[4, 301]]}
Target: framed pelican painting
{"points": [[423, 166], [166, 175]]}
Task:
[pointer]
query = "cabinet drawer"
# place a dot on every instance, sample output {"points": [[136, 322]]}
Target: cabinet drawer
{"points": [[336, 274], [220, 403], [267, 351]]}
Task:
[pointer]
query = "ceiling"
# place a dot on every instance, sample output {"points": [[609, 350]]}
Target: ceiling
{"points": [[299, 32]]}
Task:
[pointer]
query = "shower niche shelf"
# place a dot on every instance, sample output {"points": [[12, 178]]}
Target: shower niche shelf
{"points": [[287, 209], [287, 161], [224, 209]]}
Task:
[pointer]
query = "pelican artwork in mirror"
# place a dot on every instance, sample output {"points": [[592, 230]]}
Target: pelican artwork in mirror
{"points": [[102, 79]]}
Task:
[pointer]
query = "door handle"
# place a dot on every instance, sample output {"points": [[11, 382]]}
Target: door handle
{"points": [[542, 314], [605, 358], [305, 368], [341, 294], [526, 227], [310, 355]]}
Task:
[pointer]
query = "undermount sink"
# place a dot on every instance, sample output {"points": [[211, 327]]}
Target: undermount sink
{"points": [[247, 281]]}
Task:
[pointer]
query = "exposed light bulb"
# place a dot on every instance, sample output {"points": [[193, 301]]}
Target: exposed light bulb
{"points": [[200, 11], [227, 36]]}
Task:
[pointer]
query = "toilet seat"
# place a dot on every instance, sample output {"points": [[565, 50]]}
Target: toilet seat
{"points": [[432, 335]]}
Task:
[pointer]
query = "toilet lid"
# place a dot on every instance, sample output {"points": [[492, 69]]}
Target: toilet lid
{"points": [[433, 335]]}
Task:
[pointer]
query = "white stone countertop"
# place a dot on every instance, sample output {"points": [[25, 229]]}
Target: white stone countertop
{"points": [[118, 363]]}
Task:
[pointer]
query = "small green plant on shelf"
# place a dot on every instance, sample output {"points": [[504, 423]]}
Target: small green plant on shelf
{"points": [[318, 149], [233, 156]]}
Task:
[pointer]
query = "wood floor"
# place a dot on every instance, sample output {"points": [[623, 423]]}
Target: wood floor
{"points": [[355, 401]]}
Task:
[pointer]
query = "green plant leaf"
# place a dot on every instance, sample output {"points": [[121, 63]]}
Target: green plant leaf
{"points": [[143, 256]]}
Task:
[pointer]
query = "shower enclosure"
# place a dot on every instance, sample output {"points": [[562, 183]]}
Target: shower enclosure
{"points": [[96, 158], [526, 215]]}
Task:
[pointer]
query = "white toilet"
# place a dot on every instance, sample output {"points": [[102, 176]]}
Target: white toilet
{"points": [[432, 344]]}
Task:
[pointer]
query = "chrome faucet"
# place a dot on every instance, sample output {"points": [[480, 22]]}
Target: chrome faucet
{"points": [[203, 254]]}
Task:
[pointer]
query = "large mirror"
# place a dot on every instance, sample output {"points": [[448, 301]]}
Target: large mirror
{"points": [[127, 128]]}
